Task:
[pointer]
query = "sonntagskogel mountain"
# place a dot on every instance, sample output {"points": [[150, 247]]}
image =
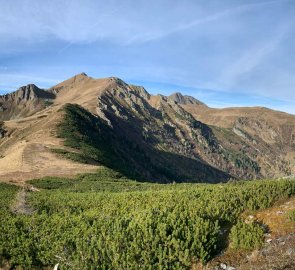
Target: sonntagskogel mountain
{"points": [[83, 123]]}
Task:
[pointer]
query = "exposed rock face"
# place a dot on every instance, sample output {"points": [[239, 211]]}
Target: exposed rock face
{"points": [[24, 102], [184, 99], [166, 126], [179, 133]]}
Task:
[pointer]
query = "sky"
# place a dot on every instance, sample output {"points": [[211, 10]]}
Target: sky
{"points": [[223, 52]]}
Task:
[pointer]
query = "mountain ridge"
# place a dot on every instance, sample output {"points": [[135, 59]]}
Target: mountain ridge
{"points": [[177, 134]]}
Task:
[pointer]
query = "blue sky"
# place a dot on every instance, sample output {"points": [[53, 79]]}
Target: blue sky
{"points": [[223, 52]]}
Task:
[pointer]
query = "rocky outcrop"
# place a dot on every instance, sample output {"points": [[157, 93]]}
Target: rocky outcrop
{"points": [[185, 100]]}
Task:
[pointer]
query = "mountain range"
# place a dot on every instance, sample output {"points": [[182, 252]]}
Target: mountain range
{"points": [[83, 123]]}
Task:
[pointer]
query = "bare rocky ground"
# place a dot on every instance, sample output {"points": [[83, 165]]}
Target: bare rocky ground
{"points": [[278, 252]]}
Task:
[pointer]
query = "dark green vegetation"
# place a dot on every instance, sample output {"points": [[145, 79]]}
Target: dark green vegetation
{"points": [[2, 129], [104, 180], [126, 148], [78, 157], [106, 221], [7, 194], [47, 102], [238, 152], [93, 137], [246, 236]]}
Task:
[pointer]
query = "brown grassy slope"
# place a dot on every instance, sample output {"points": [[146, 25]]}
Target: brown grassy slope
{"points": [[25, 149], [278, 126], [83, 90]]}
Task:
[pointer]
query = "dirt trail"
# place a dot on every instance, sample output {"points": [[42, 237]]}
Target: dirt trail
{"points": [[20, 205]]}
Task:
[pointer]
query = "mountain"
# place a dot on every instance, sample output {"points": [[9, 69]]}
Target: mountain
{"points": [[24, 102], [84, 123]]}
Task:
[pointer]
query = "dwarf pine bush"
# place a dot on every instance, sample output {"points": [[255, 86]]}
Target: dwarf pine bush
{"points": [[247, 236]]}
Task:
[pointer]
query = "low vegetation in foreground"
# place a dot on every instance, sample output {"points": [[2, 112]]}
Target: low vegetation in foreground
{"points": [[106, 221]]}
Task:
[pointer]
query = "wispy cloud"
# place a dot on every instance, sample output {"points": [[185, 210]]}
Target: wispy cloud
{"points": [[150, 36], [89, 21], [252, 58]]}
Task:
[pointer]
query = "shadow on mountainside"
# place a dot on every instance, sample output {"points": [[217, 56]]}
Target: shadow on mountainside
{"points": [[126, 148]]}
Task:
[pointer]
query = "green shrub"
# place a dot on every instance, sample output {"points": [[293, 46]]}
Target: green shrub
{"points": [[47, 102], [247, 236], [77, 157], [291, 215]]}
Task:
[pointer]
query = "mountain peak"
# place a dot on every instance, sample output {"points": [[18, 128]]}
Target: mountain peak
{"points": [[184, 99], [82, 74], [23, 102], [27, 92], [30, 86], [80, 77]]}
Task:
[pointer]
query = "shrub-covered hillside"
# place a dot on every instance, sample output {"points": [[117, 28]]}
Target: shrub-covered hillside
{"points": [[106, 221]]}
